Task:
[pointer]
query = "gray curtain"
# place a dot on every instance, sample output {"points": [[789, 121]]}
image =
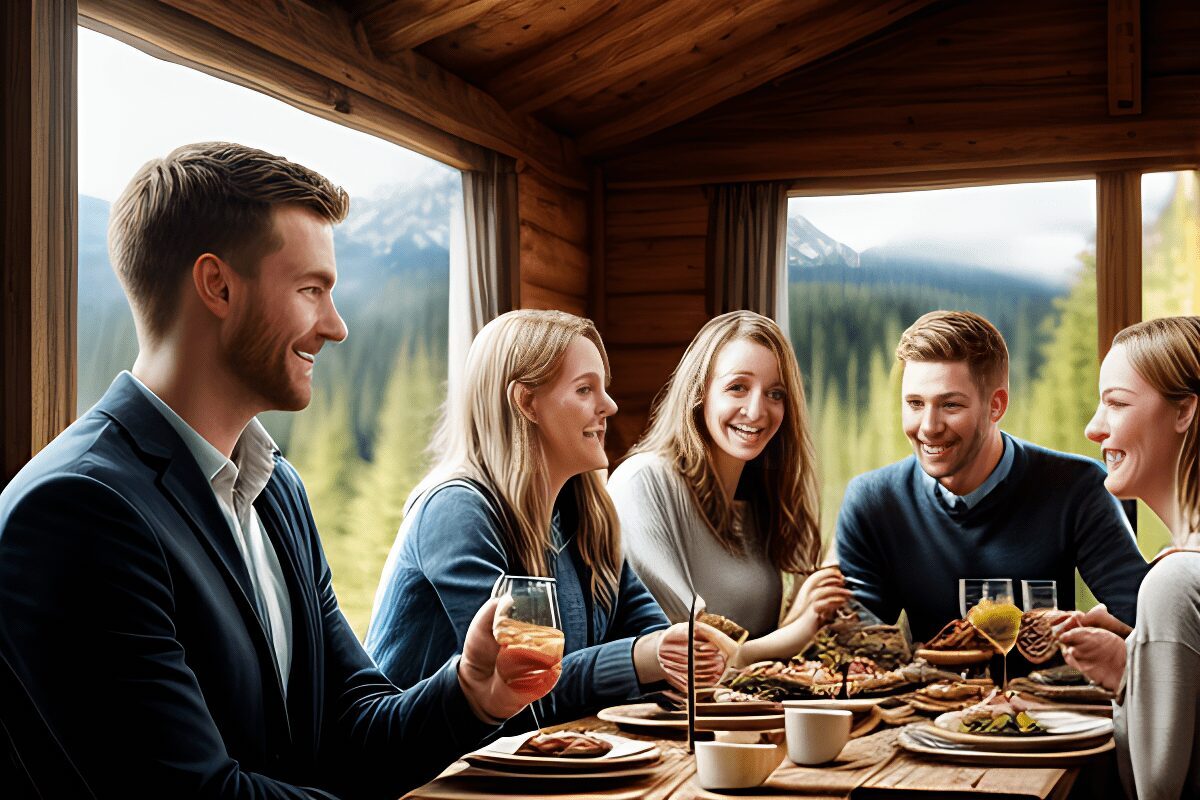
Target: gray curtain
{"points": [[484, 253], [747, 249]]}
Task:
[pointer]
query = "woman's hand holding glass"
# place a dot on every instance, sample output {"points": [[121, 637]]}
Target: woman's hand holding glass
{"points": [[494, 695]]}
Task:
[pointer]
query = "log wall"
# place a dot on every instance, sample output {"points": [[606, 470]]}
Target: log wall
{"points": [[654, 296], [555, 262], [988, 91]]}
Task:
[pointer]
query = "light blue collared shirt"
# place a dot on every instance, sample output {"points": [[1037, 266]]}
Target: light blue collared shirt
{"points": [[973, 498], [236, 484]]}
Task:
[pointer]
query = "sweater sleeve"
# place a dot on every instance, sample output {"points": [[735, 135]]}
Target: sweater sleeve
{"points": [[1156, 720], [651, 533], [1106, 552], [858, 555]]}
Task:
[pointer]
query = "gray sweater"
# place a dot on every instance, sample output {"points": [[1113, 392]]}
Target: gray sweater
{"points": [[1158, 719], [668, 543]]}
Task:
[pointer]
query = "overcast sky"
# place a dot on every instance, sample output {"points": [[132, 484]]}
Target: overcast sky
{"points": [[133, 107], [1033, 228]]}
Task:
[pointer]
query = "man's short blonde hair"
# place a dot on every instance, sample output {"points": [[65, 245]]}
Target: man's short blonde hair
{"points": [[210, 197], [958, 336]]}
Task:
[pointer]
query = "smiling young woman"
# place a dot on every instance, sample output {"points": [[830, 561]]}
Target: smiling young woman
{"points": [[516, 490], [1148, 429], [720, 495]]}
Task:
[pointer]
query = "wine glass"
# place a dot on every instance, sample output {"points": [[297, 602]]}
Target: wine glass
{"points": [[529, 631], [987, 603], [1039, 595]]}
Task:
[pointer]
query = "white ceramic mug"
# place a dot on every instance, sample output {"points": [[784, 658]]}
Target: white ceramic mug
{"points": [[816, 735], [726, 765]]}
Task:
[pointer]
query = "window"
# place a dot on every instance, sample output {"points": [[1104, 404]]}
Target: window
{"points": [[360, 444], [1170, 279], [862, 268]]}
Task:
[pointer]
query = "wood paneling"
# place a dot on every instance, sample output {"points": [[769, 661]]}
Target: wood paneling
{"points": [[402, 26], [1019, 86], [1124, 57], [323, 41], [775, 43], [655, 296], [555, 260], [1118, 254], [38, 247]]}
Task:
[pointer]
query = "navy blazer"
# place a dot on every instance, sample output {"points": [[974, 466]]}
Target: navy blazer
{"points": [[125, 615]]}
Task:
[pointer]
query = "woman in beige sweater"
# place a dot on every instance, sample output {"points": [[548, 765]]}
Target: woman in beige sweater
{"points": [[1149, 429], [719, 497]]}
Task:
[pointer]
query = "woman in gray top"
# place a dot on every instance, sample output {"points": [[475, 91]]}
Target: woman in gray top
{"points": [[1149, 429], [720, 497]]}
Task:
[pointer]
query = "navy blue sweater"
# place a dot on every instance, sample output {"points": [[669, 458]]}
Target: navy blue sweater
{"points": [[446, 558], [900, 548]]}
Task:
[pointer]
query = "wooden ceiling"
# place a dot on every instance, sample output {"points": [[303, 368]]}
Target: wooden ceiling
{"points": [[610, 72]]}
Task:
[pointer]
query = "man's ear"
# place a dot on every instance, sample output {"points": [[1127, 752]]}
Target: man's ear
{"points": [[999, 404], [210, 277], [1186, 413], [522, 398]]}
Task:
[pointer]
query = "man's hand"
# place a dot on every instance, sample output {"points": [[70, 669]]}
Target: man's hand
{"points": [[491, 696], [1097, 653]]}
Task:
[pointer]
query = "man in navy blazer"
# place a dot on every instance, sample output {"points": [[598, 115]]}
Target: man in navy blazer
{"points": [[168, 626]]}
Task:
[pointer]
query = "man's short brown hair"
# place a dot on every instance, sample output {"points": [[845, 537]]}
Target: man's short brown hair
{"points": [[958, 336], [210, 197]]}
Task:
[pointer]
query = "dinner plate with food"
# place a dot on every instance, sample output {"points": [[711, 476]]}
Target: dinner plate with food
{"points": [[566, 751], [1008, 722]]}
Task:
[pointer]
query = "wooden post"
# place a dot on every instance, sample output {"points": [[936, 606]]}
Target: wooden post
{"points": [[1118, 254], [1124, 57], [39, 209]]}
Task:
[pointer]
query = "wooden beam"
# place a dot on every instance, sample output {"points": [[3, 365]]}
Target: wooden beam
{"points": [[876, 159], [597, 278], [1118, 254], [38, 247], [822, 29], [630, 39], [398, 26], [1124, 57], [182, 39], [323, 41]]}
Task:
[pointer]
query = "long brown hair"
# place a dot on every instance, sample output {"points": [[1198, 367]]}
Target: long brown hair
{"points": [[484, 436], [781, 482], [1166, 352]]}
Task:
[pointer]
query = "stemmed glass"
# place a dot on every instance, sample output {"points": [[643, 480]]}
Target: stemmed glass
{"points": [[1039, 595], [529, 631], [987, 603]]}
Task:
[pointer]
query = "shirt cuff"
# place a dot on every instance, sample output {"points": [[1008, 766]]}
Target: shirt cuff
{"points": [[613, 674]]}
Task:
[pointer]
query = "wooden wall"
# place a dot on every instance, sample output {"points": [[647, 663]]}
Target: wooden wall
{"points": [[555, 261], [983, 90], [654, 295]]}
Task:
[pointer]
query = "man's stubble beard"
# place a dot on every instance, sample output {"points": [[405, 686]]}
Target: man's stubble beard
{"points": [[259, 357]]}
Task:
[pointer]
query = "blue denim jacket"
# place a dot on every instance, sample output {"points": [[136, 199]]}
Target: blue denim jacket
{"points": [[441, 569]]}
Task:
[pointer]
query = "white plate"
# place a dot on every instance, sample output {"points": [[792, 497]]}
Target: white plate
{"points": [[644, 715], [851, 704], [597, 775], [916, 739], [1063, 728], [624, 753]]}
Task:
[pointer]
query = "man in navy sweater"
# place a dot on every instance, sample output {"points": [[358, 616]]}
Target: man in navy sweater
{"points": [[973, 502]]}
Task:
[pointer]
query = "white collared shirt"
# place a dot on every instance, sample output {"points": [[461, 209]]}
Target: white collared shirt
{"points": [[236, 483]]}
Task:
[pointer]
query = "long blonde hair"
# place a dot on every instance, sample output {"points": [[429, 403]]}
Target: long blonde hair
{"points": [[781, 483], [1166, 352], [484, 436]]}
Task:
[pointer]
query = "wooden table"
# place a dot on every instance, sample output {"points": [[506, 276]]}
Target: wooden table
{"points": [[894, 774]]}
